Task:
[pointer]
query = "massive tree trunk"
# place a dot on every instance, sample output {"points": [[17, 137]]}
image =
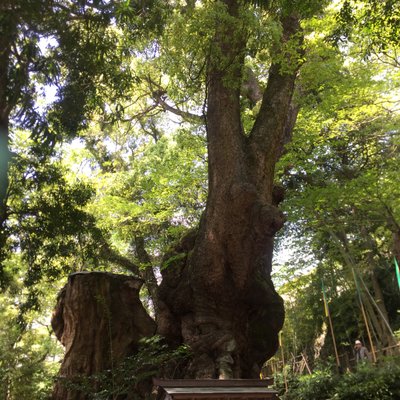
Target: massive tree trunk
{"points": [[100, 320], [216, 294], [7, 33], [220, 298], [4, 160]]}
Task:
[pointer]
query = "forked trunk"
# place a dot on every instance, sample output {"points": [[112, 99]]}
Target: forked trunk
{"points": [[220, 298]]}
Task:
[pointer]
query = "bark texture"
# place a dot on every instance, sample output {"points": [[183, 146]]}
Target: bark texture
{"points": [[217, 289], [100, 320], [7, 35], [216, 294]]}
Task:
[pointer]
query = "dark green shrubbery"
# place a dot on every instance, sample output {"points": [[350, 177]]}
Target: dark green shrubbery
{"points": [[368, 382], [371, 382], [132, 377]]}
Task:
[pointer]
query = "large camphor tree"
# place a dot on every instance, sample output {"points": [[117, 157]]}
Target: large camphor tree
{"points": [[217, 295], [227, 68], [221, 301]]}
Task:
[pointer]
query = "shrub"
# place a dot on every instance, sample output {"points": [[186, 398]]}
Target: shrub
{"points": [[133, 375], [317, 386], [371, 382], [367, 382]]}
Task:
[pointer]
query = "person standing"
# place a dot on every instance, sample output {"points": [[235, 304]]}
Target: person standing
{"points": [[362, 353]]}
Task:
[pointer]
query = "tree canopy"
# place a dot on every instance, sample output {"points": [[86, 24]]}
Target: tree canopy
{"points": [[158, 138]]}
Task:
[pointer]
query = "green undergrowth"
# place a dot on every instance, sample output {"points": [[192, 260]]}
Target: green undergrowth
{"points": [[379, 381], [132, 377]]}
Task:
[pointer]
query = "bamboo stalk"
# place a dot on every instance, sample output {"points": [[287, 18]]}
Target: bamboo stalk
{"points": [[364, 317], [334, 340], [377, 307], [283, 362], [328, 314]]}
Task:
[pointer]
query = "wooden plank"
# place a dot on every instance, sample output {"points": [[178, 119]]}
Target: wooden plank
{"points": [[204, 390], [214, 389], [203, 396], [212, 382]]}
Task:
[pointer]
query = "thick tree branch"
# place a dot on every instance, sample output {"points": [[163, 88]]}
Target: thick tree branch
{"points": [[277, 116], [159, 95], [272, 118], [251, 89], [224, 127], [108, 254], [147, 273], [177, 111]]}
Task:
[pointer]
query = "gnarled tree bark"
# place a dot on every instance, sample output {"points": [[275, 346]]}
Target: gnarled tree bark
{"points": [[99, 319], [220, 298], [8, 30], [216, 294]]}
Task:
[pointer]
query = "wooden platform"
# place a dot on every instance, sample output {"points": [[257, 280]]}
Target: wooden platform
{"points": [[203, 389]]}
